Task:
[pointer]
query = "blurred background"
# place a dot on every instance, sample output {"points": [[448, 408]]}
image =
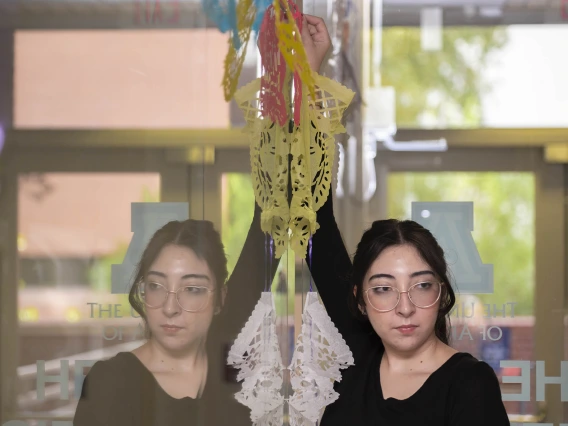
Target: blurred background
{"points": [[111, 102]]}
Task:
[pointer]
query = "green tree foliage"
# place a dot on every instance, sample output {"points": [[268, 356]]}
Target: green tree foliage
{"points": [[444, 89], [439, 88], [238, 210], [503, 223]]}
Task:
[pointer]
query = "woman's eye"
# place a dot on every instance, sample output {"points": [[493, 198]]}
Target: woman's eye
{"points": [[194, 290], [424, 286], [382, 289], [153, 286]]}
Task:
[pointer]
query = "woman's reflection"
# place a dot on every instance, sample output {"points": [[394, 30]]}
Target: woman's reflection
{"points": [[177, 294], [190, 314]]}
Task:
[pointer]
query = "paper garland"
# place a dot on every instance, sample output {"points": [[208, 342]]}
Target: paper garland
{"points": [[256, 354], [247, 16], [298, 161], [320, 354], [291, 155]]}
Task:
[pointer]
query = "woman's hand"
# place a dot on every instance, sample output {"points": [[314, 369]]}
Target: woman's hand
{"points": [[316, 40]]}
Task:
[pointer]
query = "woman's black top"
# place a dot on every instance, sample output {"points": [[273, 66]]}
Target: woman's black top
{"points": [[121, 391], [462, 392]]}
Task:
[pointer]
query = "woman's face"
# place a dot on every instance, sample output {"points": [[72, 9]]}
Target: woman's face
{"points": [[178, 269], [406, 327]]}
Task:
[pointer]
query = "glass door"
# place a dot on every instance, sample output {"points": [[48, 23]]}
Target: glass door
{"points": [[75, 217], [494, 211]]}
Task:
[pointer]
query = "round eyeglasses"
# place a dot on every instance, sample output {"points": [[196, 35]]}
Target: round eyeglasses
{"points": [[384, 298], [190, 298]]}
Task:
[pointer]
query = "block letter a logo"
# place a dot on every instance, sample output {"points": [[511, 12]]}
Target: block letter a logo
{"points": [[451, 223], [146, 219]]}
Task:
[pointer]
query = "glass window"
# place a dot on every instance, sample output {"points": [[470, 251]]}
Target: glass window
{"points": [[480, 77], [120, 79], [237, 209], [69, 209], [71, 228], [496, 326], [503, 212]]}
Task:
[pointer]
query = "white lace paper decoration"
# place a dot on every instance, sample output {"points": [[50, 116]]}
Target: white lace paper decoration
{"points": [[321, 352], [257, 354]]}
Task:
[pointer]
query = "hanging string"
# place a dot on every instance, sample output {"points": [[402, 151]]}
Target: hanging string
{"points": [[267, 270], [310, 261], [311, 290], [271, 246], [266, 263], [268, 254]]}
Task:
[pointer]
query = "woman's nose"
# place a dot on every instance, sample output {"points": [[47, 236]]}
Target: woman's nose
{"points": [[171, 305], [405, 306]]}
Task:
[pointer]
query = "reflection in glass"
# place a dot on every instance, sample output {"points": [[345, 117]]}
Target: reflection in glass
{"points": [[190, 311], [71, 228], [503, 223], [479, 78], [189, 298], [497, 326]]}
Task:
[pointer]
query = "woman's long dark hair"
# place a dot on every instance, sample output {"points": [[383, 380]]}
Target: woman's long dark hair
{"points": [[199, 236], [392, 232]]}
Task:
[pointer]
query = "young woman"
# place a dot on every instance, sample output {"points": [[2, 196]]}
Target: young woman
{"points": [[391, 305], [191, 316]]}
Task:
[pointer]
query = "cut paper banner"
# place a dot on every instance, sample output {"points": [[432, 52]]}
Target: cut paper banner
{"points": [[293, 160], [240, 19], [288, 24], [274, 98], [256, 354], [223, 13], [292, 143], [245, 17], [282, 53], [282, 31], [320, 354]]}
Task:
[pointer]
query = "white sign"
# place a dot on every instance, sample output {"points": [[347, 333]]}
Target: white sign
{"points": [[451, 223], [146, 219]]}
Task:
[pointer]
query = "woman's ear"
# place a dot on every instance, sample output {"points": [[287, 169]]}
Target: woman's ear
{"points": [[361, 308], [222, 300]]}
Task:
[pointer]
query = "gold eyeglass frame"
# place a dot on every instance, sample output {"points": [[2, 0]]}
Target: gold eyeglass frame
{"points": [[168, 292], [441, 283]]}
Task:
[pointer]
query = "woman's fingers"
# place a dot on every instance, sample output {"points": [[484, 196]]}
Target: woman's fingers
{"points": [[316, 22], [306, 31], [316, 40]]}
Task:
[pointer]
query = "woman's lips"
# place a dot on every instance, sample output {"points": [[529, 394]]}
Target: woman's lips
{"points": [[407, 329], [172, 329]]}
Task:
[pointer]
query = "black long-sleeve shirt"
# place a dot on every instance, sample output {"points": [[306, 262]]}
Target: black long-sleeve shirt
{"points": [[121, 391], [462, 392]]}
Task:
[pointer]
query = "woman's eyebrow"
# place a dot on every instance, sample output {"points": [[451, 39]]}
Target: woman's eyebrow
{"points": [[413, 275], [198, 276], [420, 273], [185, 277], [381, 276]]}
